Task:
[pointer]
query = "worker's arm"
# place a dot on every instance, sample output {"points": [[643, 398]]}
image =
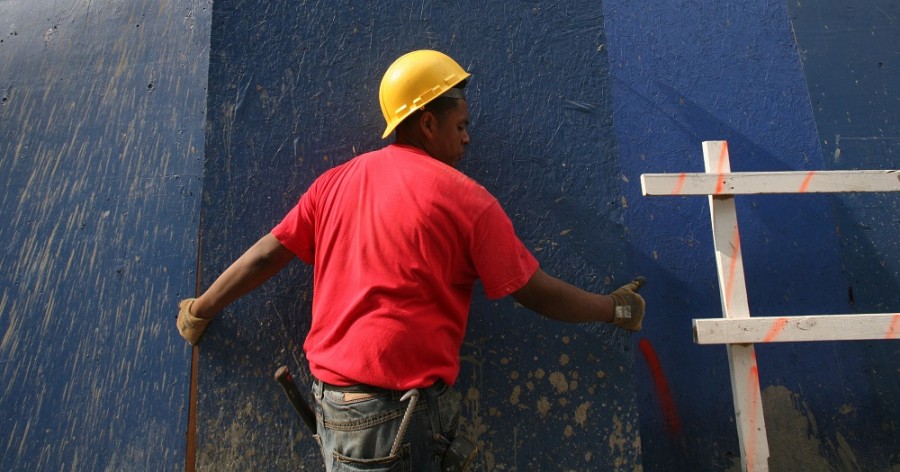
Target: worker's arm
{"points": [[559, 300], [258, 264]]}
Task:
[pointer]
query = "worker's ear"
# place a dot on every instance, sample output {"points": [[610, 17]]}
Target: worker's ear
{"points": [[428, 124]]}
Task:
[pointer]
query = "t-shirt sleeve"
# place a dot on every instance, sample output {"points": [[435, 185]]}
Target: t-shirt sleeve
{"points": [[297, 231], [501, 260]]}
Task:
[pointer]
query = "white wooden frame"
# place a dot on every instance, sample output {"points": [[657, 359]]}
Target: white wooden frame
{"points": [[744, 183], [774, 329], [737, 330]]}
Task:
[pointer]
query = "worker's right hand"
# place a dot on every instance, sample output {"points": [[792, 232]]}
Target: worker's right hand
{"points": [[629, 306], [189, 326]]}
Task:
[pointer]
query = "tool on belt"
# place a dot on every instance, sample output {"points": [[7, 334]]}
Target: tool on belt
{"points": [[459, 456], [283, 377]]}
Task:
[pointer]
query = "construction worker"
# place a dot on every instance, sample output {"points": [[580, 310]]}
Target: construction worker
{"points": [[397, 238]]}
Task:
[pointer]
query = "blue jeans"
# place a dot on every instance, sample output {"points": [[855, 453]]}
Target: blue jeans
{"points": [[357, 428]]}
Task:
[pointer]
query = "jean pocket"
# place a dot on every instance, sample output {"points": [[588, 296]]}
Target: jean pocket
{"points": [[449, 404], [400, 462]]}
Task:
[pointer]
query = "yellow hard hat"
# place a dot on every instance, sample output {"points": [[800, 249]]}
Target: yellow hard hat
{"points": [[412, 81]]}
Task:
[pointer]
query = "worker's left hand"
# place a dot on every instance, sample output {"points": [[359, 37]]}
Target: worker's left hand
{"points": [[189, 326], [629, 306]]}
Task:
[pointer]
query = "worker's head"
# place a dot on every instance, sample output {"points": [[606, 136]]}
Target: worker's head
{"points": [[422, 98]]}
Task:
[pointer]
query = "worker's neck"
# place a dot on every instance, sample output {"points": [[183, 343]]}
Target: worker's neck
{"points": [[409, 139]]}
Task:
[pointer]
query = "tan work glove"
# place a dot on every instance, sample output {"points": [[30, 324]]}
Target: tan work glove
{"points": [[191, 327], [629, 310]]}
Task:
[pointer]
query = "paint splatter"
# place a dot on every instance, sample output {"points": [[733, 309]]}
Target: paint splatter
{"points": [[805, 185], [543, 406], [679, 184], [558, 380], [514, 397], [667, 402], [581, 413], [777, 327]]}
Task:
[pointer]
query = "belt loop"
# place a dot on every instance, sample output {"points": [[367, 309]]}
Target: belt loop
{"points": [[320, 389]]}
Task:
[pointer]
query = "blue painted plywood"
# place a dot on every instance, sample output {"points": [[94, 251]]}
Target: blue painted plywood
{"points": [[101, 140], [293, 91], [731, 71], [100, 145], [849, 55]]}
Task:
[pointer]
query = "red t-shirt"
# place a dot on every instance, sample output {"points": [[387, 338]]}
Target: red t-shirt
{"points": [[397, 240]]}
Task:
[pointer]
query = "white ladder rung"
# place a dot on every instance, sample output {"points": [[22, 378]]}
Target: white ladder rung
{"points": [[773, 329], [749, 183]]}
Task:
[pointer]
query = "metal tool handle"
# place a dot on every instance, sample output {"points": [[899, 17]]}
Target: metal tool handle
{"points": [[413, 397]]}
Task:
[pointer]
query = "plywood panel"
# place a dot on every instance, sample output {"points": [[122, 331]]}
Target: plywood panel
{"points": [[101, 143], [293, 91]]}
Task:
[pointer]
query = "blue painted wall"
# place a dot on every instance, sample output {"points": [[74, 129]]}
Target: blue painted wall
{"points": [[685, 73], [101, 144], [293, 91], [849, 55], [102, 150]]}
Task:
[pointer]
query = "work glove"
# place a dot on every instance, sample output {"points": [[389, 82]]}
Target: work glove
{"points": [[189, 326], [629, 306]]}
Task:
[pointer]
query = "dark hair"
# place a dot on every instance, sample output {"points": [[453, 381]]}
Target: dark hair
{"points": [[438, 107]]}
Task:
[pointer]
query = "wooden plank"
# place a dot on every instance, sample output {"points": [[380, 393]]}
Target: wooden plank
{"points": [[797, 328], [748, 414], [747, 183], [726, 238], [732, 288]]}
